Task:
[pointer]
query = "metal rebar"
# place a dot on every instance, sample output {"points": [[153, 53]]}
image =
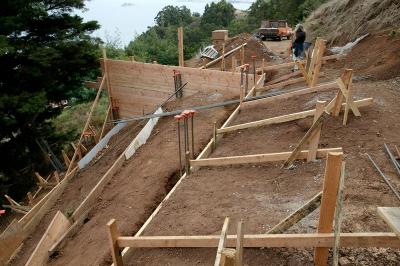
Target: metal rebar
{"points": [[202, 107], [192, 128], [184, 133], [247, 81], [392, 158], [187, 164], [179, 147], [384, 177]]}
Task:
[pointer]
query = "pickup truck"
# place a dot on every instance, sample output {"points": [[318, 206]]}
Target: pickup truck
{"points": [[276, 29]]}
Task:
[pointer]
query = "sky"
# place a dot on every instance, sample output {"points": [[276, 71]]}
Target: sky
{"points": [[124, 18]]}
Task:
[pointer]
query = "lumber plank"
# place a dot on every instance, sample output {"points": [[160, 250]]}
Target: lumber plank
{"points": [[313, 145], [327, 211], [282, 84], [34, 216], [95, 192], [113, 235], [57, 227], [291, 64], [286, 118], [314, 72], [326, 240], [257, 158], [10, 239], [180, 47], [284, 77], [320, 87], [222, 241], [345, 77], [338, 217], [315, 126], [297, 216], [239, 244], [391, 215]]}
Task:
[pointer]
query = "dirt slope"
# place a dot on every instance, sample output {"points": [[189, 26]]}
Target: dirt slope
{"points": [[139, 186], [341, 21], [79, 187]]}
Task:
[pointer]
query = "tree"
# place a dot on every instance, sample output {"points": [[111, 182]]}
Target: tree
{"points": [[218, 14], [45, 54], [173, 16]]}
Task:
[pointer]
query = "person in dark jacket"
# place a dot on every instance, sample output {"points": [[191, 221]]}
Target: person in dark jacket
{"points": [[299, 38]]}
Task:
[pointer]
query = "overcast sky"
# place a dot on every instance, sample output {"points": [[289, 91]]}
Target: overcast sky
{"points": [[127, 17]]}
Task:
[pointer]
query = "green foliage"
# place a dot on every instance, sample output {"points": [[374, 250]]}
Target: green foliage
{"points": [[173, 16], [45, 54], [217, 15], [69, 123]]}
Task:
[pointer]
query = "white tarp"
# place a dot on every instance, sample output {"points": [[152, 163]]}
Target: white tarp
{"points": [[143, 135], [99, 146], [345, 49]]}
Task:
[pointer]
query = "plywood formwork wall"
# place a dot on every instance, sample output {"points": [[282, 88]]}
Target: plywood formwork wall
{"points": [[138, 87]]}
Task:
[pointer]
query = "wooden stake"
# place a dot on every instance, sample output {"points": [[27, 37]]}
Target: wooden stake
{"points": [[313, 146], [222, 242], [338, 217], [306, 137], [215, 136], [331, 184], [113, 235], [345, 77], [397, 150], [318, 62], [262, 65], [30, 198], [106, 77], [228, 257], [297, 216], [57, 177], [242, 56], [67, 161], [103, 128], [13, 203], [223, 58], [180, 47], [239, 244], [234, 64]]}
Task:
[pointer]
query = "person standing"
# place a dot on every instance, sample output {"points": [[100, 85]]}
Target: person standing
{"points": [[298, 42]]}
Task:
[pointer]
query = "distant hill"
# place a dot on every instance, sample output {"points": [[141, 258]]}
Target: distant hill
{"points": [[341, 21]]}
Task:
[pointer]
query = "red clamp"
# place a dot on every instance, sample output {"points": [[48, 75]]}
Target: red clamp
{"points": [[178, 117], [253, 57], [2, 212]]}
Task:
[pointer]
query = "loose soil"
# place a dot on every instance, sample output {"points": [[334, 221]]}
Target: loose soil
{"points": [[80, 186], [263, 194], [140, 185]]}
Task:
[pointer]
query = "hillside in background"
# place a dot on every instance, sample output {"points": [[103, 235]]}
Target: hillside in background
{"points": [[341, 21]]}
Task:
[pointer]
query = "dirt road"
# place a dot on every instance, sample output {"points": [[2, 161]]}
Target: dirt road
{"points": [[280, 48]]}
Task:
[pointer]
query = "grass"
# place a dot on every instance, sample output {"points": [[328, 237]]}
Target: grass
{"points": [[69, 124]]}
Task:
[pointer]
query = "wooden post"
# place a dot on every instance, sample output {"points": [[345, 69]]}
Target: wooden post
{"points": [[346, 76], [242, 56], [215, 136], [106, 75], [30, 198], [113, 235], [223, 58], [241, 95], [228, 257], [338, 217], [103, 128], [239, 244], [319, 54], [67, 161], [262, 66], [313, 146], [331, 184], [222, 242], [180, 47], [234, 64], [57, 177], [77, 150]]}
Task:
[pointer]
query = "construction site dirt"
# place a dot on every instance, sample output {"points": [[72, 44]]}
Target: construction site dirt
{"points": [[140, 185], [264, 194], [260, 194]]}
